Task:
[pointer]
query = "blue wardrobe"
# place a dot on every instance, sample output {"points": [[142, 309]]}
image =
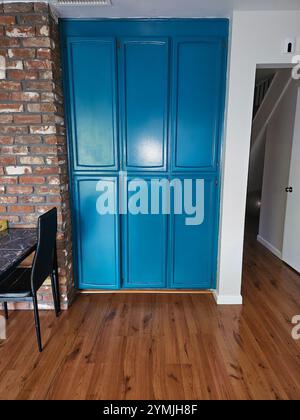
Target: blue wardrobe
{"points": [[145, 97]]}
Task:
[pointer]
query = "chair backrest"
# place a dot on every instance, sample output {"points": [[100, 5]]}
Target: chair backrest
{"points": [[43, 260]]}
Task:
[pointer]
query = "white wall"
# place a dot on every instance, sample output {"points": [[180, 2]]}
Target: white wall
{"points": [[256, 39], [279, 141]]}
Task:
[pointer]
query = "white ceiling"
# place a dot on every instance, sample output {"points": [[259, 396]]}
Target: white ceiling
{"points": [[174, 8]]}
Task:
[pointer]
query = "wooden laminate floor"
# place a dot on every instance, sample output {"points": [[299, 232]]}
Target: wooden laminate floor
{"points": [[163, 346]]}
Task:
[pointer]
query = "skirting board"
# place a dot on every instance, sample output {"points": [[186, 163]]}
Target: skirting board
{"points": [[270, 247], [228, 299]]}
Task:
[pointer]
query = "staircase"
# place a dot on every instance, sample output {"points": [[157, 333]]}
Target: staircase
{"points": [[261, 89], [268, 95]]}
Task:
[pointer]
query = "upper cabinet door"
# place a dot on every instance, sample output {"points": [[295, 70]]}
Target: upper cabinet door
{"points": [[92, 89], [197, 103], [144, 103]]}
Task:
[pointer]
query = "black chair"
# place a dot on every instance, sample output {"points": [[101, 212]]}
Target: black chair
{"points": [[22, 285]]}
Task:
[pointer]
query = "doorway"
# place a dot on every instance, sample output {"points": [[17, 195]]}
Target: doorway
{"points": [[273, 198]]}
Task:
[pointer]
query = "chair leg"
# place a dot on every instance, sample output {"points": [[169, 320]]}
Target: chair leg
{"points": [[37, 323], [5, 310], [55, 294], [55, 282]]}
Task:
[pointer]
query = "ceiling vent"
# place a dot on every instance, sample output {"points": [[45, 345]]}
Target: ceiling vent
{"points": [[84, 2]]}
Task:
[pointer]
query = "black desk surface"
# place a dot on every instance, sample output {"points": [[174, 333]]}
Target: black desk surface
{"points": [[15, 246]]}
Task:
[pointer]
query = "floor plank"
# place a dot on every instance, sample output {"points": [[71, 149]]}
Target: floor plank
{"points": [[163, 346]]}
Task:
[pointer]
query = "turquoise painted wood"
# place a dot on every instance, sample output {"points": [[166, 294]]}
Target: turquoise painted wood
{"points": [[98, 238], [145, 245], [92, 87], [197, 103], [146, 97], [144, 100], [192, 247]]}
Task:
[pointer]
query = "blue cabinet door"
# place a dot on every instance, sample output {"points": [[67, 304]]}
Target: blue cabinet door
{"points": [[198, 76], [193, 262], [97, 245], [92, 91], [144, 240], [144, 70]]}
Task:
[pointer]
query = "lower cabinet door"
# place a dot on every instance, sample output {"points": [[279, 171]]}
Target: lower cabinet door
{"points": [[193, 236], [97, 235], [144, 241]]}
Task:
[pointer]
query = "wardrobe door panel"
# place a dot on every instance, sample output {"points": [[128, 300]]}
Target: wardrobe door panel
{"points": [[144, 244], [193, 246], [97, 235], [144, 87], [197, 102], [92, 64]]}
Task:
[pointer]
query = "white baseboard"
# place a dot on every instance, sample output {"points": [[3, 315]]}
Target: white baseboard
{"points": [[228, 299], [269, 246]]}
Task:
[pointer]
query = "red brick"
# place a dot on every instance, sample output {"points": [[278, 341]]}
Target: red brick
{"points": [[7, 20], [46, 170], [6, 118], [53, 160], [47, 97], [46, 189], [38, 64], [6, 199], [6, 140], [5, 96], [33, 19], [31, 199], [53, 180], [14, 150], [36, 42], [18, 170], [7, 160], [25, 96], [8, 85], [8, 180], [14, 64], [19, 189], [32, 180], [20, 31], [2, 209], [22, 74], [11, 108], [27, 119], [42, 129], [9, 42], [32, 160], [10, 129], [44, 209], [46, 74], [28, 139], [44, 53], [21, 209], [54, 199], [49, 119], [39, 85], [21, 53], [43, 150]]}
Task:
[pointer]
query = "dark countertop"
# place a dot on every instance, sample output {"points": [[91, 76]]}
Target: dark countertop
{"points": [[15, 246]]}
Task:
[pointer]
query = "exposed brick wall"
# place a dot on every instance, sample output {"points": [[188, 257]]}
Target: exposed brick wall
{"points": [[33, 155]]}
